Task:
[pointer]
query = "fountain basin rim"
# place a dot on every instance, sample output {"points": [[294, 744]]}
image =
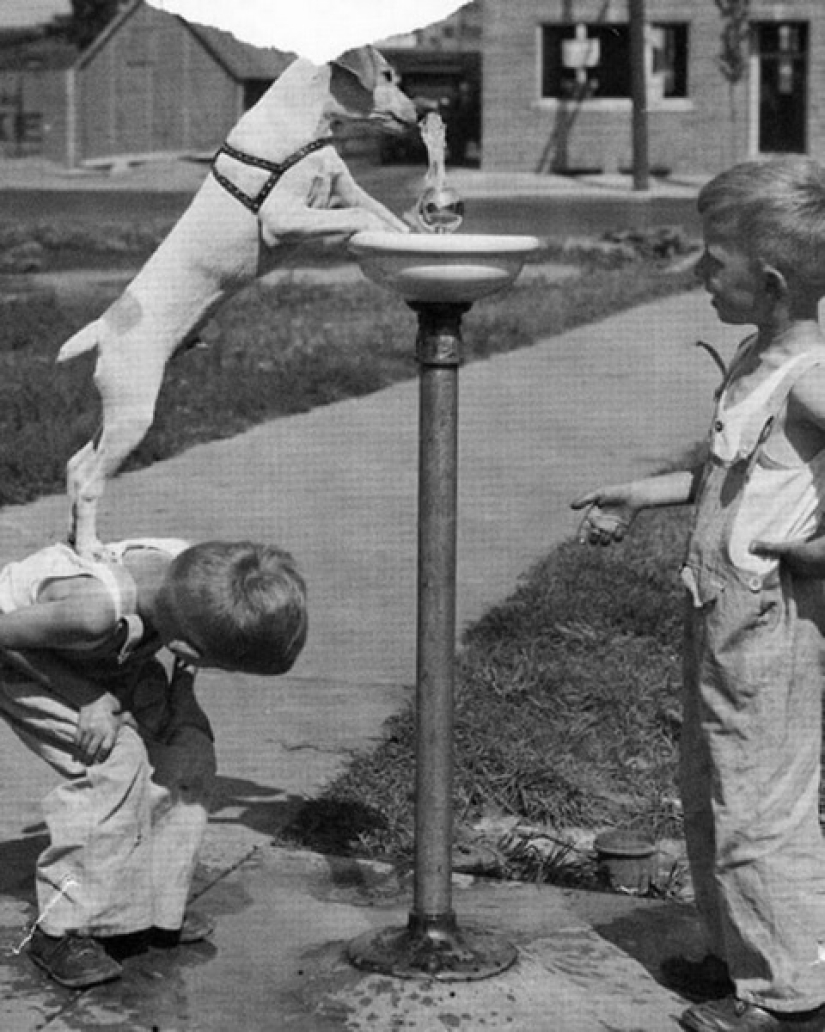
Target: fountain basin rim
{"points": [[438, 268], [446, 244]]}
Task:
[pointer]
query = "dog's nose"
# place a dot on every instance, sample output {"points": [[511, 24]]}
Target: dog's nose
{"points": [[409, 114]]}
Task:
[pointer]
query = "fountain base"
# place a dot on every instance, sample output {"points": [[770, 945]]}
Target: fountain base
{"points": [[432, 948]]}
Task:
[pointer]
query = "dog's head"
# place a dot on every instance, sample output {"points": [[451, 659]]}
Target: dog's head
{"points": [[365, 87]]}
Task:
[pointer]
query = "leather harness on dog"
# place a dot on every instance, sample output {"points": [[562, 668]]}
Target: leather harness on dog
{"points": [[276, 170]]}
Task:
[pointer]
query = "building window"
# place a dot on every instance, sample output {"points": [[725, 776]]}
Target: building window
{"points": [[593, 60], [31, 127]]}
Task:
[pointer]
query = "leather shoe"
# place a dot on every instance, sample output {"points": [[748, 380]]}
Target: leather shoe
{"points": [[73, 960], [732, 1015]]}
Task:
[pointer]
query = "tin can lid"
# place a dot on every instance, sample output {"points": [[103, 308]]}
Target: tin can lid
{"points": [[623, 843]]}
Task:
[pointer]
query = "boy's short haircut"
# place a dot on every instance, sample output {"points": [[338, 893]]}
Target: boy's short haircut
{"points": [[774, 209], [243, 603]]}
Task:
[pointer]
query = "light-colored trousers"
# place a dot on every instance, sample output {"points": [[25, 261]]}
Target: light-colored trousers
{"points": [[750, 748], [125, 833]]}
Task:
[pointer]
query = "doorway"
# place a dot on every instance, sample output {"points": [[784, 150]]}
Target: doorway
{"points": [[782, 85]]}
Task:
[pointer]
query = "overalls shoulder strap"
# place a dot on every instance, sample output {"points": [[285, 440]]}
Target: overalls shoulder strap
{"points": [[123, 593], [739, 356]]}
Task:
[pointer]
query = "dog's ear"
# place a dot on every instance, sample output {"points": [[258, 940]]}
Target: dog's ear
{"points": [[364, 63]]}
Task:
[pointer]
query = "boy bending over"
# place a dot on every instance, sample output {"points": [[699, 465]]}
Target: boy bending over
{"points": [[81, 687], [752, 730]]}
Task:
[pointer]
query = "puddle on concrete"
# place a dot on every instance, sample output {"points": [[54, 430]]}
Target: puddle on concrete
{"points": [[359, 883]]}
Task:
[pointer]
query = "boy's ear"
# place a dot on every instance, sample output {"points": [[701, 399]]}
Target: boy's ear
{"points": [[775, 283]]}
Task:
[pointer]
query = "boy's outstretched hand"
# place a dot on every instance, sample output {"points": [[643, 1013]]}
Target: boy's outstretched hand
{"points": [[609, 514], [804, 556]]}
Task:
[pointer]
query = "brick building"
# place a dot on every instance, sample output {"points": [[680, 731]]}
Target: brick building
{"points": [[556, 85]]}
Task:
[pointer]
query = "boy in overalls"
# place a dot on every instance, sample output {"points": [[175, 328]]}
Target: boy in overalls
{"points": [[81, 687], [751, 734]]}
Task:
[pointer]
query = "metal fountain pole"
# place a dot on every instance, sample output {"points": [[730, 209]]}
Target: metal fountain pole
{"points": [[438, 353], [432, 945]]}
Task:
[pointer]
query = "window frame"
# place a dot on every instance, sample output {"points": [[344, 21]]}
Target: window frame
{"points": [[613, 101]]}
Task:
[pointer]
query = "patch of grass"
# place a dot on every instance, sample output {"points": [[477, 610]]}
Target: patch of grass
{"points": [[34, 246], [581, 665], [270, 352]]}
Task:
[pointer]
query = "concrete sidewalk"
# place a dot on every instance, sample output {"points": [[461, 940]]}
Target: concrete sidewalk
{"points": [[338, 487]]}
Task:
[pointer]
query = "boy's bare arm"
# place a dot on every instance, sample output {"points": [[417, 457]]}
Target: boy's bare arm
{"points": [[612, 509], [805, 557], [76, 612]]}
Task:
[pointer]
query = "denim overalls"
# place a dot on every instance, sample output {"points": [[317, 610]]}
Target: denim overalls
{"points": [[751, 737]]}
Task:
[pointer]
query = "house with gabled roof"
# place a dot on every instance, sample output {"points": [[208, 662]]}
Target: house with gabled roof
{"points": [[154, 82]]}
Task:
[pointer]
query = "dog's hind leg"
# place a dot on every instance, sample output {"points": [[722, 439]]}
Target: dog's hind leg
{"points": [[128, 384], [85, 488]]}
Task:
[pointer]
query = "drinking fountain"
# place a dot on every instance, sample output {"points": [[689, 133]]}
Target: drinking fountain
{"points": [[439, 276]]}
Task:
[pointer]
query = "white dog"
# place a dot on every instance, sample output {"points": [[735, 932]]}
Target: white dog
{"points": [[276, 180]]}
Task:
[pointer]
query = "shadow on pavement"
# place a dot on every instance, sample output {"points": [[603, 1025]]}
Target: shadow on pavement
{"points": [[646, 930], [261, 808]]}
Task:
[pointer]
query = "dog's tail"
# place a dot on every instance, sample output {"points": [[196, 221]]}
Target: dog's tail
{"points": [[86, 339]]}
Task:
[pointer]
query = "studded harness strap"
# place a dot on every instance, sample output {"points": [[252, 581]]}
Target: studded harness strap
{"points": [[276, 170]]}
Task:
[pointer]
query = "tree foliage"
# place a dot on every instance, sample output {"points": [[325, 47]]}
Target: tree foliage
{"points": [[735, 27], [89, 18]]}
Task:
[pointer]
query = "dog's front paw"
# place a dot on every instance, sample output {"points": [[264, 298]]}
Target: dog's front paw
{"points": [[387, 222], [414, 222]]}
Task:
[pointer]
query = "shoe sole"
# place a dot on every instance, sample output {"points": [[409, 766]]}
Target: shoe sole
{"points": [[74, 983]]}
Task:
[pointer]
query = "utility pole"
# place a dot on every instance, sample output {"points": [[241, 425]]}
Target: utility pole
{"points": [[638, 92]]}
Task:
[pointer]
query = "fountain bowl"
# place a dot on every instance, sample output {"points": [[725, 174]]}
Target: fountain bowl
{"points": [[439, 268]]}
